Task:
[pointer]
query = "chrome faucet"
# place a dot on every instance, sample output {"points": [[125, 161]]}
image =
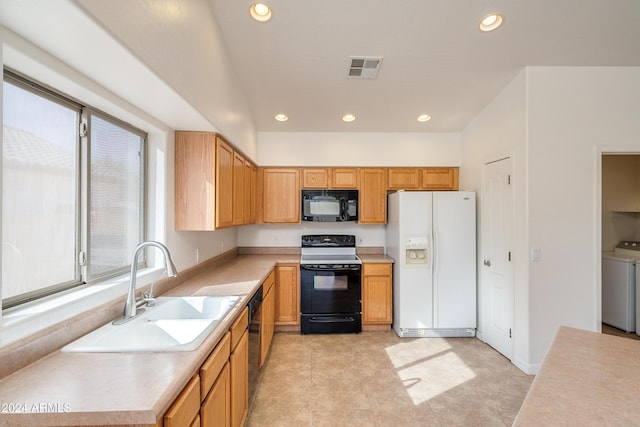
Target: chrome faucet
{"points": [[130, 308]]}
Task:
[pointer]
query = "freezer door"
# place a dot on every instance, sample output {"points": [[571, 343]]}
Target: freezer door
{"points": [[410, 220], [454, 259]]}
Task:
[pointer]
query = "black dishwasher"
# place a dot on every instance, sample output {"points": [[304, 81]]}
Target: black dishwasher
{"points": [[255, 319]]}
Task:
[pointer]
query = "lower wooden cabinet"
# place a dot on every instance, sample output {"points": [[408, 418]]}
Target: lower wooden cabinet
{"points": [[215, 386], [267, 326], [287, 296], [239, 372], [186, 407], [216, 408], [377, 294]]}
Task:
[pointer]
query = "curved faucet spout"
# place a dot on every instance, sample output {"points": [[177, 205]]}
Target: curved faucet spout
{"points": [[130, 310]]}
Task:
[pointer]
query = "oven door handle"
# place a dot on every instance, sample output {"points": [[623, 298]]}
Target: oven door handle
{"points": [[332, 269], [331, 319]]}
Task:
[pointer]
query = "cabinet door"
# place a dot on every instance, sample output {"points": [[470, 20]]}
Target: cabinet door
{"points": [[248, 192], [186, 407], [373, 196], [440, 178], [216, 409], [344, 178], [254, 195], [238, 189], [239, 370], [267, 323], [281, 195], [377, 294], [224, 184], [403, 179], [194, 183], [287, 287], [315, 178]]}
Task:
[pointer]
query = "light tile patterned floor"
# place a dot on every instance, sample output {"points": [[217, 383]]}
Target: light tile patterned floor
{"points": [[378, 379]]}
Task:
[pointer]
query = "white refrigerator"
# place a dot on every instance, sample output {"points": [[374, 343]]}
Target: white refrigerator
{"points": [[432, 237]]}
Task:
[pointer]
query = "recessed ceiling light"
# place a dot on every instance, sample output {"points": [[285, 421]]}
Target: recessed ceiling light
{"points": [[348, 118], [281, 117], [260, 11], [491, 22], [424, 118]]}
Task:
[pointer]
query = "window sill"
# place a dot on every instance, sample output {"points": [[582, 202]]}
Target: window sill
{"points": [[28, 319]]}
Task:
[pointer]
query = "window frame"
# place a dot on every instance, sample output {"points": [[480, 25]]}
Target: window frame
{"points": [[82, 191]]}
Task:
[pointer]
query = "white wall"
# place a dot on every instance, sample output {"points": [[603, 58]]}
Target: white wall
{"points": [[561, 120], [574, 114], [358, 149], [499, 131], [181, 43]]}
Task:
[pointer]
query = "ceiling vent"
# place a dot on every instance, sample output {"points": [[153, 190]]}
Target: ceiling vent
{"points": [[364, 67]]}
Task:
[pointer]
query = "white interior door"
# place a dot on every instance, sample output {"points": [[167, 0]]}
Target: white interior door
{"points": [[497, 243]]}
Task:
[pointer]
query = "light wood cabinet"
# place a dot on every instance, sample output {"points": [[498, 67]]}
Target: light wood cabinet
{"points": [[195, 154], [253, 209], [403, 178], [373, 196], [216, 408], [440, 178], [215, 386], [280, 195], [186, 407], [224, 184], [238, 189], [317, 178], [267, 326], [344, 178], [239, 373], [377, 294], [214, 184], [287, 295]]}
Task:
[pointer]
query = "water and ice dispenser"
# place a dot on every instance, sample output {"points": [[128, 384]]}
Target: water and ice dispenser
{"points": [[416, 251]]}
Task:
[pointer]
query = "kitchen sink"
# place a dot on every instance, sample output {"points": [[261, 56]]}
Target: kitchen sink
{"points": [[173, 324]]}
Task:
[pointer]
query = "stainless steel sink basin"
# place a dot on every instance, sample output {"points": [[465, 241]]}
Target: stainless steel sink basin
{"points": [[173, 324]]}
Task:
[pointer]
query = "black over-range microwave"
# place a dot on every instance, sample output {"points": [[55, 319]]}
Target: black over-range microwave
{"points": [[329, 205]]}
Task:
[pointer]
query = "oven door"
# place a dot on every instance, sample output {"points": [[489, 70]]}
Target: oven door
{"points": [[328, 289]]}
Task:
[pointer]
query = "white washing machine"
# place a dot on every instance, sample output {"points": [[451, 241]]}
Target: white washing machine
{"points": [[619, 286]]}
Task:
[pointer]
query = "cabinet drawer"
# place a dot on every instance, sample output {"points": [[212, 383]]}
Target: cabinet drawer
{"points": [[238, 327], [376, 269], [186, 406], [214, 364]]}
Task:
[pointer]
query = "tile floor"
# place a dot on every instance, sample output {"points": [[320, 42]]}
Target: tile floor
{"points": [[378, 379]]}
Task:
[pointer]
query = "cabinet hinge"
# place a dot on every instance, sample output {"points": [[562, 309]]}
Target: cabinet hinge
{"points": [[82, 258]]}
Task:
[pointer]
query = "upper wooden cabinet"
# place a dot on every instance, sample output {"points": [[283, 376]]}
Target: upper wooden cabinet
{"points": [[327, 178], [315, 178], [224, 191], [213, 183], [440, 178], [195, 155], [403, 178], [422, 178], [280, 195], [238, 189], [372, 200], [344, 178]]}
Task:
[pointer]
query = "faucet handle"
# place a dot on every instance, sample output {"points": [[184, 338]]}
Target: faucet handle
{"points": [[148, 298]]}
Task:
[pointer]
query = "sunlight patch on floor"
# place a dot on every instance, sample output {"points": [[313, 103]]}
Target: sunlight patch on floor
{"points": [[428, 368]]}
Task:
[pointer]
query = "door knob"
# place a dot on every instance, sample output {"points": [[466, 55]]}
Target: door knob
{"points": [[487, 263]]}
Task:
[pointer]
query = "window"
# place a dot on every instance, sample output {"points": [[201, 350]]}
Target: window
{"points": [[72, 192]]}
